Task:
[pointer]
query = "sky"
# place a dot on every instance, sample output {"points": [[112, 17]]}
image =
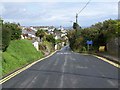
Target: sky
{"points": [[57, 12]]}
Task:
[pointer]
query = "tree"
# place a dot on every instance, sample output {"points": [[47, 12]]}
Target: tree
{"points": [[118, 29], [50, 38], [6, 37], [14, 29], [98, 26], [1, 23], [40, 34], [10, 31], [76, 26], [100, 33], [71, 37]]}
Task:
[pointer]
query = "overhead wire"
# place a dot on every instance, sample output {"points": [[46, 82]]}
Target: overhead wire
{"points": [[84, 7]]}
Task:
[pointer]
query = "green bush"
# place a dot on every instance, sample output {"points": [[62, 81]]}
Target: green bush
{"points": [[49, 46], [84, 49]]}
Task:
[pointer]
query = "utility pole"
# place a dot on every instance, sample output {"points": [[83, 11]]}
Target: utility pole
{"points": [[81, 11], [75, 24], [76, 18]]}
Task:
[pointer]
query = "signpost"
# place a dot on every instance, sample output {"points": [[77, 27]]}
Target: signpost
{"points": [[89, 43]]}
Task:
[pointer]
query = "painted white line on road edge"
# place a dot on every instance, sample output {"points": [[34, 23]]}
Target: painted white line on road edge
{"points": [[108, 61], [23, 69], [85, 54]]}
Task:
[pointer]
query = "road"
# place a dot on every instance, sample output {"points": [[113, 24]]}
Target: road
{"points": [[66, 69]]}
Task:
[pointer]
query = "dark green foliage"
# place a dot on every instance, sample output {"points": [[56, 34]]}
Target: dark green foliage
{"points": [[50, 38], [100, 34], [118, 29], [1, 22], [15, 30], [40, 34], [57, 41], [10, 31], [71, 36], [102, 39], [6, 35], [110, 26], [76, 26]]}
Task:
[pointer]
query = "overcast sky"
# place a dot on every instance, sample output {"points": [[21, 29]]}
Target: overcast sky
{"points": [[57, 12]]}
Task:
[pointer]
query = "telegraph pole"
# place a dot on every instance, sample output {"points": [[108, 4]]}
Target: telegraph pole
{"points": [[76, 18], [81, 11]]}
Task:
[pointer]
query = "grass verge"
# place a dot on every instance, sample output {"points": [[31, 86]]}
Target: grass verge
{"points": [[18, 54]]}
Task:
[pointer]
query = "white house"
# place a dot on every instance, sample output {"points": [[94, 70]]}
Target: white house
{"points": [[34, 29]]}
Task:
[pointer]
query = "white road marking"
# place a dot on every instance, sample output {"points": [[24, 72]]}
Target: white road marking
{"points": [[46, 82], [82, 67], [63, 70], [112, 83], [33, 81], [61, 81], [56, 62], [65, 53], [65, 63]]}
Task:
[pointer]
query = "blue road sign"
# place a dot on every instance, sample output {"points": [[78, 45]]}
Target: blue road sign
{"points": [[89, 42]]}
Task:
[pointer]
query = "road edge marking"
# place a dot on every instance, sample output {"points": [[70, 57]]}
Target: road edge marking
{"points": [[23, 69], [108, 61]]}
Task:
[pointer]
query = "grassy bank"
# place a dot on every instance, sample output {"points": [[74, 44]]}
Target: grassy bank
{"points": [[18, 54]]}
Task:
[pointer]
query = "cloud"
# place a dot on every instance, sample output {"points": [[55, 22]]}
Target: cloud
{"points": [[58, 0], [2, 9], [57, 13]]}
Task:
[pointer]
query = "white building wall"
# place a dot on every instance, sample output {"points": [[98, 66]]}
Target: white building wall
{"points": [[36, 45]]}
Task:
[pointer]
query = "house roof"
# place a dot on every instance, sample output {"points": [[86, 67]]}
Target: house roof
{"points": [[28, 32]]}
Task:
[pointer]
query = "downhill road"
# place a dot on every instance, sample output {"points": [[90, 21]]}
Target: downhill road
{"points": [[66, 69]]}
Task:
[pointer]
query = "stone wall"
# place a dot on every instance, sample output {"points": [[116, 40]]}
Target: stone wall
{"points": [[113, 46]]}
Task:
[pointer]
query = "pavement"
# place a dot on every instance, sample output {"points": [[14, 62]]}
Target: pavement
{"points": [[112, 58], [67, 69]]}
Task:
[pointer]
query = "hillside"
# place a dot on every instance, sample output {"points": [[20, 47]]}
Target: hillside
{"points": [[19, 53]]}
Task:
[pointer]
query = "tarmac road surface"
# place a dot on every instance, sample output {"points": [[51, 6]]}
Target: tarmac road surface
{"points": [[66, 69]]}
